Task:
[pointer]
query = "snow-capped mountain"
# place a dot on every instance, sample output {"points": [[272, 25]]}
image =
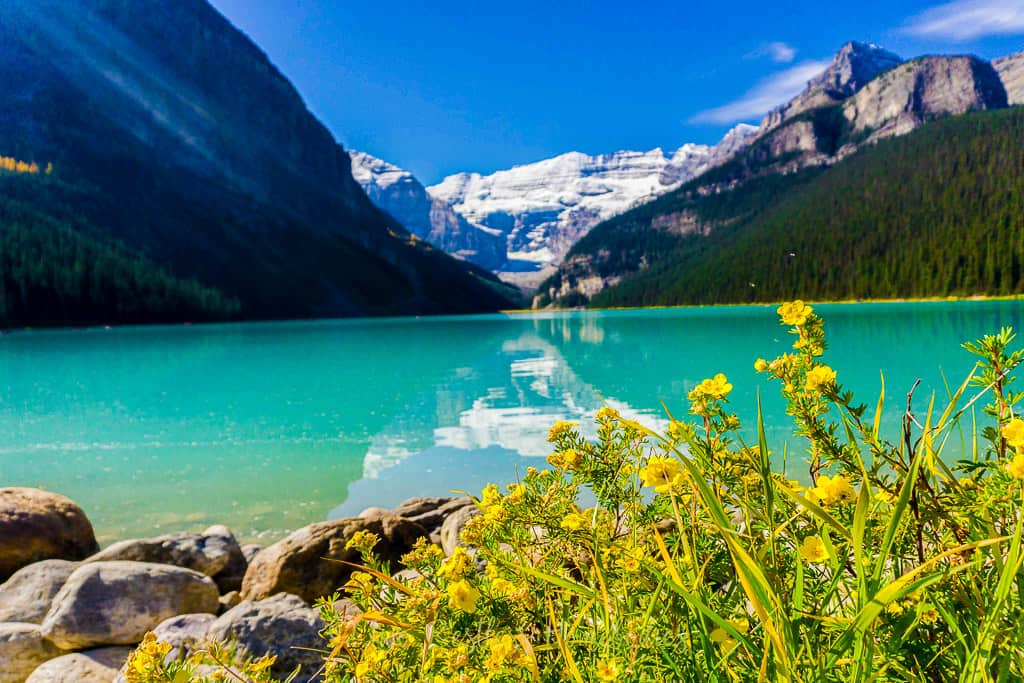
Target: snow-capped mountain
{"points": [[545, 207], [400, 194]]}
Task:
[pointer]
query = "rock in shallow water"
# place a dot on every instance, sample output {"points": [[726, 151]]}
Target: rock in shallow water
{"points": [[283, 626], [215, 553], [310, 562], [37, 525], [115, 603], [22, 649], [100, 665], [27, 595]]}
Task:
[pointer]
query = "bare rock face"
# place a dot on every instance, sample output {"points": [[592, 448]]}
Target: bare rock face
{"points": [[310, 562], [1011, 72], [853, 67], [22, 649], [27, 595], [37, 525], [116, 603], [283, 626], [921, 90], [215, 553], [100, 665]]}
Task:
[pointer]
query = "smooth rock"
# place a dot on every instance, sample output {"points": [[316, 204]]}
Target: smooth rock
{"points": [[100, 665], [283, 626], [373, 513], [310, 562], [183, 633], [37, 525], [22, 649], [27, 595], [250, 550], [215, 553], [453, 525], [229, 600], [430, 513], [115, 603]]}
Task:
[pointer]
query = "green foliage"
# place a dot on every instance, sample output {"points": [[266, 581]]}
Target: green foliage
{"points": [[937, 212], [688, 556], [52, 272]]}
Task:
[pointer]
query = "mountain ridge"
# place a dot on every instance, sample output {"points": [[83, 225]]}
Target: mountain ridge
{"points": [[174, 136]]}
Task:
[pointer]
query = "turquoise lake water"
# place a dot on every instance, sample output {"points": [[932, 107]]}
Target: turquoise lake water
{"points": [[267, 427]]}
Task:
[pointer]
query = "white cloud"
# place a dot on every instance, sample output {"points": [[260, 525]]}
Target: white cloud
{"points": [[968, 19], [765, 96], [778, 52]]}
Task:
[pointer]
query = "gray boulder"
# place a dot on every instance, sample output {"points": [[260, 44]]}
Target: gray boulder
{"points": [[27, 595], [430, 513], [215, 553], [183, 633], [311, 562], [283, 626], [22, 649], [116, 603], [37, 525], [100, 665], [453, 525], [249, 551]]}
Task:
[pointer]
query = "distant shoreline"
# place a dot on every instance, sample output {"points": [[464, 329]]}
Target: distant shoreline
{"points": [[837, 302]]}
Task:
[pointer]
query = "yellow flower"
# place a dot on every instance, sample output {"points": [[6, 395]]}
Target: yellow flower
{"points": [[632, 560], [561, 429], [362, 540], [457, 565], [661, 473], [368, 662], [894, 608], [1016, 466], [813, 549], [716, 387], [607, 413], [503, 651], [1013, 432], [760, 365], [884, 496], [502, 587], [831, 490], [820, 376], [574, 521], [462, 596], [608, 670], [795, 312], [359, 581], [724, 639]]}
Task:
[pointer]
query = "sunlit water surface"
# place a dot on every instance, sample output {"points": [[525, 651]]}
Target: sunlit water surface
{"points": [[267, 427]]}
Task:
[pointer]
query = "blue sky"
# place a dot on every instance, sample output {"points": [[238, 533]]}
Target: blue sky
{"points": [[445, 86]]}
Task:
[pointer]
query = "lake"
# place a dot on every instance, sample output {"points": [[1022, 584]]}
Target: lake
{"points": [[267, 427]]}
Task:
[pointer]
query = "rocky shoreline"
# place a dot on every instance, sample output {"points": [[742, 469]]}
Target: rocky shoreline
{"points": [[72, 612]]}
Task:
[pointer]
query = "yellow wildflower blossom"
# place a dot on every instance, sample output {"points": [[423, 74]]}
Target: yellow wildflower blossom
{"points": [[1013, 432], [661, 473], [1016, 466], [631, 560], [820, 376], [760, 365], [458, 564], [714, 388], [368, 662], [362, 540], [607, 413], [813, 549], [795, 313], [608, 670], [831, 490], [561, 429], [462, 596], [575, 521]]}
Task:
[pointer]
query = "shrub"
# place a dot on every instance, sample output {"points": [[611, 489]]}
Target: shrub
{"points": [[688, 556]]}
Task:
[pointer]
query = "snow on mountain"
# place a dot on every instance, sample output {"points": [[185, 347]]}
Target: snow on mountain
{"points": [[400, 194], [545, 207]]}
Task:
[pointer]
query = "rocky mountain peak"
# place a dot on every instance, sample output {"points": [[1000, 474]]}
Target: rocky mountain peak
{"points": [[855, 65], [1011, 71]]}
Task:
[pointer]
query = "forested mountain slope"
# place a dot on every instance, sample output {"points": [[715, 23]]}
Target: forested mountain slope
{"points": [[174, 140], [937, 212]]}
